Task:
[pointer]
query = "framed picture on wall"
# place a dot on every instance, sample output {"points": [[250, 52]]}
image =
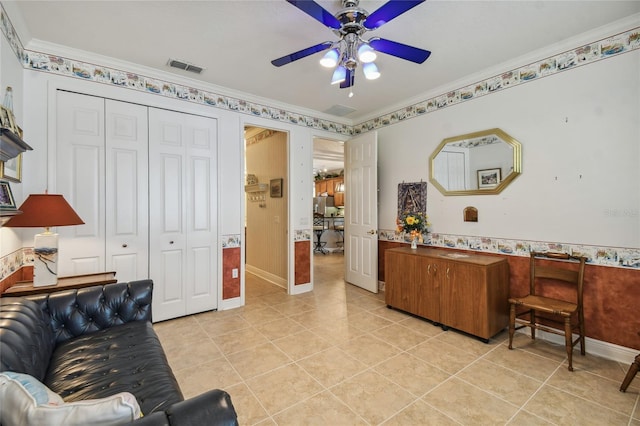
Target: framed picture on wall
{"points": [[489, 178], [6, 196], [6, 119], [275, 188], [12, 169]]}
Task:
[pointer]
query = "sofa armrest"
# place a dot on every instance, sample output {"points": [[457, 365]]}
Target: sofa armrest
{"points": [[86, 310], [212, 408]]}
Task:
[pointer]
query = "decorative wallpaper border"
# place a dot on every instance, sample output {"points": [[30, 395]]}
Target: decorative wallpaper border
{"points": [[231, 241], [16, 260], [596, 255], [570, 59], [302, 235]]}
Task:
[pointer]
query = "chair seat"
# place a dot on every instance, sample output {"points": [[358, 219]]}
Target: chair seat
{"points": [[546, 304]]}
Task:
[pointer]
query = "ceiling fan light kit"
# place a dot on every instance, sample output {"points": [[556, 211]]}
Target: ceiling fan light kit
{"points": [[350, 24]]}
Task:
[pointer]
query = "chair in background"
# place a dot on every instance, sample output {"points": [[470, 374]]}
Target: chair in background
{"points": [[540, 312], [633, 370], [318, 229], [338, 226]]}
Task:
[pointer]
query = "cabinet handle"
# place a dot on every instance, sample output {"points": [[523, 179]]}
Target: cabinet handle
{"points": [[429, 269], [447, 273]]}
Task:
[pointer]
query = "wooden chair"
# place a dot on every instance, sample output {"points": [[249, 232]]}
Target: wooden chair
{"points": [[541, 312], [633, 370]]}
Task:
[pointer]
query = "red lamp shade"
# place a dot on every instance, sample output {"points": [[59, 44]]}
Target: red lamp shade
{"points": [[44, 210]]}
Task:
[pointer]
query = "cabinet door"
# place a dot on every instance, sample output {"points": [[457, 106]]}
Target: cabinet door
{"points": [[464, 298], [428, 297], [338, 199], [321, 188], [401, 278], [331, 188]]}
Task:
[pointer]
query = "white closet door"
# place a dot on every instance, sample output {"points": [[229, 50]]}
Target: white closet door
{"points": [[182, 200], [127, 192], [201, 200], [80, 177]]}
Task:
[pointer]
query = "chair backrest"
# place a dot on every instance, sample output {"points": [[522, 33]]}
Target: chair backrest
{"points": [[318, 221], [573, 275]]}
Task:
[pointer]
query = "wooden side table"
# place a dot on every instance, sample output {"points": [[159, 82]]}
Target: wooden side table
{"points": [[26, 288]]}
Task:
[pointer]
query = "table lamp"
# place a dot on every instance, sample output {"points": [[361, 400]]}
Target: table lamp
{"points": [[45, 210]]}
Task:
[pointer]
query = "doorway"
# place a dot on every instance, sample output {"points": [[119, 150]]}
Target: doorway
{"points": [[266, 204], [328, 203]]}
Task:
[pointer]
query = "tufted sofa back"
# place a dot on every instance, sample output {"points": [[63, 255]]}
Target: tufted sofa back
{"points": [[76, 312], [26, 339]]}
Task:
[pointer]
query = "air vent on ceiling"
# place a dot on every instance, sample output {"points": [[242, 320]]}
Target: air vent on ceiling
{"points": [[339, 110], [185, 66]]}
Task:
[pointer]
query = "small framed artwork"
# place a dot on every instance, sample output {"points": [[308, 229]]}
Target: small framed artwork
{"points": [[12, 169], [6, 119], [489, 178], [6, 197], [275, 188]]}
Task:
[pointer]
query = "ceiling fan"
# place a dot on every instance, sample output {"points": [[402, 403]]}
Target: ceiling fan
{"points": [[350, 24]]}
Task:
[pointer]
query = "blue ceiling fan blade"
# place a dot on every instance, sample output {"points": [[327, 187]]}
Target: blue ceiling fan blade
{"points": [[349, 79], [388, 11], [317, 12], [301, 54], [399, 50]]}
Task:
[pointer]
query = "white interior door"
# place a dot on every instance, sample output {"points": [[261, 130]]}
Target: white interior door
{"points": [[361, 211], [182, 200], [80, 177], [127, 192]]}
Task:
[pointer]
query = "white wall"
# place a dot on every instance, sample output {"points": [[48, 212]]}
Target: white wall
{"points": [[580, 135], [11, 75]]}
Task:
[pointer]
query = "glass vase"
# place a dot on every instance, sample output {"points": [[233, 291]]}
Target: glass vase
{"points": [[414, 243]]}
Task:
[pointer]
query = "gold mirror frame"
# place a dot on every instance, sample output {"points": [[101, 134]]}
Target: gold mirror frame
{"points": [[504, 182]]}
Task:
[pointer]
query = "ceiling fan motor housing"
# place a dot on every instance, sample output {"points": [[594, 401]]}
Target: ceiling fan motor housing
{"points": [[351, 18]]}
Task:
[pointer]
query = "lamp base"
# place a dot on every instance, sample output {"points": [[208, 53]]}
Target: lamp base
{"points": [[45, 267]]}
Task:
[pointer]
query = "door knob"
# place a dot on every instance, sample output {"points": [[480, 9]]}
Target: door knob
{"points": [[371, 232]]}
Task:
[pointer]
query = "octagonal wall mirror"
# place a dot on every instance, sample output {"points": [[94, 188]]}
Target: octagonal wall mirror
{"points": [[479, 163]]}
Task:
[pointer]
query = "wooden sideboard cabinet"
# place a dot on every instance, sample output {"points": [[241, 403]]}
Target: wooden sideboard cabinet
{"points": [[468, 292]]}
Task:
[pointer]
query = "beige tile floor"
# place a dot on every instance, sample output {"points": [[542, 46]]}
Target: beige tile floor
{"points": [[338, 356]]}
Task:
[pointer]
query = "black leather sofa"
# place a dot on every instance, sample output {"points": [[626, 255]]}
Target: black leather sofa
{"points": [[97, 341]]}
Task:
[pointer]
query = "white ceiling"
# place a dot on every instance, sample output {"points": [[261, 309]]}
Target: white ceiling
{"points": [[236, 40]]}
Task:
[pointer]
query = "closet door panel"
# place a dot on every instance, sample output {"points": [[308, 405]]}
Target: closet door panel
{"points": [[80, 178], [127, 212], [201, 142], [167, 205]]}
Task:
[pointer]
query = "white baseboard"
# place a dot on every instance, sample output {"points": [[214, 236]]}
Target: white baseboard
{"points": [[274, 279], [592, 346]]}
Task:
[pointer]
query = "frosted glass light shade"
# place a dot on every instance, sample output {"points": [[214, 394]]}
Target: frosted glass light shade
{"points": [[339, 75], [371, 71], [330, 59], [366, 53]]}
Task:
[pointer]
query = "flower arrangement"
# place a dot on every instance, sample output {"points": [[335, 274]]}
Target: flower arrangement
{"points": [[414, 223]]}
